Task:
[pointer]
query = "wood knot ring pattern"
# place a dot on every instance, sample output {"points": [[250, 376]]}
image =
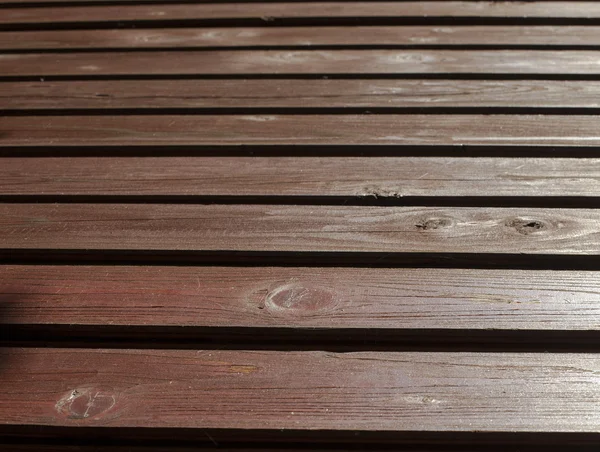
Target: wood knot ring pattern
{"points": [[84, 403], [298, 299], [430, 224], [526, 226]]}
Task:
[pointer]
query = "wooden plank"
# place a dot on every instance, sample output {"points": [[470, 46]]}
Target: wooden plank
{"points": [[19, 3], [426, 392], [272, 228], [302, 36], [269, 297], [267, 12], [269, 130], [288, 62], [131, 94], [393, 177]]}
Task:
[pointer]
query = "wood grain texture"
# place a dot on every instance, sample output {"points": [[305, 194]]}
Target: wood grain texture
{"points": [[343, 298], [17, 3], [301, 176], [323, 93], [272, 390], [288, 62], [305, 37], [299, 228], [222, 78], [276, 10], [265, 130]]}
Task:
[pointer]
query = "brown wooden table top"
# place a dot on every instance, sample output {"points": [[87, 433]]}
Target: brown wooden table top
{"points": [[301, 225]]}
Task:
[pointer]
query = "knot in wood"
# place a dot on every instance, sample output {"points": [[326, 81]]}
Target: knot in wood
{"points": [[84, 403], [430, 224], [526, 226], [298, 299]]}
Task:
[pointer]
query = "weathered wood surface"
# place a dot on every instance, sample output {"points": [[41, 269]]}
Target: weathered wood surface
{"points": [[290, 62], [270, 297], [393, 177], [322, 93], [272, 129], [178, 110], [268, 12], [461, 392], [299, 228], [513, 36]]}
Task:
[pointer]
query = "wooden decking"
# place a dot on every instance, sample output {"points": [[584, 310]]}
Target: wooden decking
{"points": [[299, 225]]}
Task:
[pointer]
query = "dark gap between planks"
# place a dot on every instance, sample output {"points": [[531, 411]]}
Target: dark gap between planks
{"points": [[301, 47], [198, 111], [291, 76], [302, 151], [299, 22], [338, 340], [299, 259], [405, 76], [313, 440], [563, 202]]}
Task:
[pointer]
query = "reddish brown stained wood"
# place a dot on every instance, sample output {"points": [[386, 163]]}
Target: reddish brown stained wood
{"points": [[301, 297], [449, 392], [462, 392], [234, 130], [269, 11], [16, 3], [301, 176], [302, 36], [299, 228], [321, 93], [268, 62]]}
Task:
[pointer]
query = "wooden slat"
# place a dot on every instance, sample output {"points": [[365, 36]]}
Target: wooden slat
{"points": [[425, 392], [91, 273], [131, 94], [269, 62], [301, 176], [299, 228], [270, 11], [234, 130], [346, 298], [18, 3], [301, 36]]}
